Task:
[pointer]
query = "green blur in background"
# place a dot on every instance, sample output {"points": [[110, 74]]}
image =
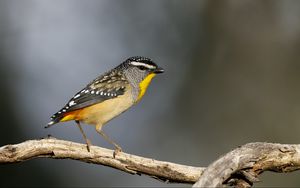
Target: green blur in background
{"points": [[232, 77]]}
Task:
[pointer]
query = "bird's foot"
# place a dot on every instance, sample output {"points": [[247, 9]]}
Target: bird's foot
{"points": [[88, 145], [118, 150]]}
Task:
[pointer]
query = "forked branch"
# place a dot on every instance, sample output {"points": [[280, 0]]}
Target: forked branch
{"points": [[240, 167]]}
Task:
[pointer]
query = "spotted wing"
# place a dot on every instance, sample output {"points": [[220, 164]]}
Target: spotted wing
{"points": [[89, 96], [108, 86]]}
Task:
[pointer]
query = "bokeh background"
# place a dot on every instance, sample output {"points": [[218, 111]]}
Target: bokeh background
{"points": [[232, 77]]}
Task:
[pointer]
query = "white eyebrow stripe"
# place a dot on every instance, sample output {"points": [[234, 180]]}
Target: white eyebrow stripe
{"points": [[135, 63]]}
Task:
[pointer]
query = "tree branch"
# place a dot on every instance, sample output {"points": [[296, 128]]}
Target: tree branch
{"points": [[240, 167], [61, 149]]}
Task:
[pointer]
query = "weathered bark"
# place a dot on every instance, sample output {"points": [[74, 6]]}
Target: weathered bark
{"points": [[240, 167], [61, 149]]}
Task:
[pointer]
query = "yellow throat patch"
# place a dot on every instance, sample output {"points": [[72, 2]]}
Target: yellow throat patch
{"points": [[144, 85]]}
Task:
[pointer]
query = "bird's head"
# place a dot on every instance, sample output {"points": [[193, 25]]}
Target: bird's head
{"points": [[141, 70]]}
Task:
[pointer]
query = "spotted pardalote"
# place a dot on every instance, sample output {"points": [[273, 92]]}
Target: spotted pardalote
{"points": [[109, 95]]}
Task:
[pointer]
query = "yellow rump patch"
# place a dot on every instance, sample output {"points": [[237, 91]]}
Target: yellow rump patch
{"points": [[70, 116], [144, 85]]}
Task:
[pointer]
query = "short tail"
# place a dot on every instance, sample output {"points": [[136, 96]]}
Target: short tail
{"points": [[54, 119], [52, 122]]}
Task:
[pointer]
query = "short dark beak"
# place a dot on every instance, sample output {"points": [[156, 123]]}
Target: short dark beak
{"points": [[159, 70]]}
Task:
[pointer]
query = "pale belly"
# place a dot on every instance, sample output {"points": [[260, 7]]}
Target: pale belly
{"points": [[103, 112]]}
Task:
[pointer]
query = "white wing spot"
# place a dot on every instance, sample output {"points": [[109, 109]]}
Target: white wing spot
{"points": [[76, 96], [101, 93], [83, 91], [59, 112], [71, 103], [97, 92], [92, 92], [108, 94], [86, 91], [67, 107], [64, 110], [104, 94]]}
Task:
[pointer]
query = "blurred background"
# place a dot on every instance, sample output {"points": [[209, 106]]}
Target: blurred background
{"points": [[232, 77]]}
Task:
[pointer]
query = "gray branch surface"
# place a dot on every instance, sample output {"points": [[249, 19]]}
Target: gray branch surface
{"points": [[61, 149], [240, 167]]}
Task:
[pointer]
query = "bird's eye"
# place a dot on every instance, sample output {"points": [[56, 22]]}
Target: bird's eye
{"points": [[142, 67]]}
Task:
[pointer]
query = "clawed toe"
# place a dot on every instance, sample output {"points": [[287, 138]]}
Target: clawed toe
{"points": [[117, 151]]}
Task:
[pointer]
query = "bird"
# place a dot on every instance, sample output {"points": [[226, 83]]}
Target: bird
{"points": [[109, 95]]}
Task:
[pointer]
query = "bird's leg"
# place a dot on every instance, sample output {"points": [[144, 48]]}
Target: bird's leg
{"points": [[118, 149], [87, 141]]}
